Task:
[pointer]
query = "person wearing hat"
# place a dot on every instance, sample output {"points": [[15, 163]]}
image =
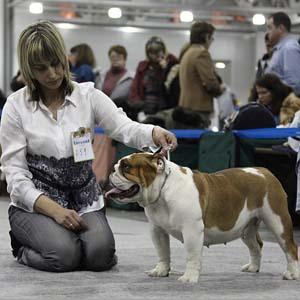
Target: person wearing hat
{"points": [[148, 83]]}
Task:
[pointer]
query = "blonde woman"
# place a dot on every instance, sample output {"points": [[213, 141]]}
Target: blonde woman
{"points": [[57, 213]]}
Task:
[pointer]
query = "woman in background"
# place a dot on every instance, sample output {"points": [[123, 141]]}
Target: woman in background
{"points": [[278, 98], [82, 61]]}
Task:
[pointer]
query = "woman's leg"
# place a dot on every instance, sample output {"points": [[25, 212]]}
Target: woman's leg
{"points": [[98, 244], [47, 245]]}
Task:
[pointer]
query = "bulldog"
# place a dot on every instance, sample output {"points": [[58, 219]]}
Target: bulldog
{"points": [[201, 209]]}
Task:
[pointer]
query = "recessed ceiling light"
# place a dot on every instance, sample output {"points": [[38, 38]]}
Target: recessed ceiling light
{"points": [[258, 19], [186, 16], [36, 8], [115, 12]]}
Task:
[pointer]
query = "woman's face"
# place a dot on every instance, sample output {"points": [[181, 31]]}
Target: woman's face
{"points": [[73, 58], [156, 56], [49, 75], [117, 60], [264, 95]]}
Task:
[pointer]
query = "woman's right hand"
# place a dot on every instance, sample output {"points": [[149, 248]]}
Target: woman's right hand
{"points": [[66, 217], [70, 219]]}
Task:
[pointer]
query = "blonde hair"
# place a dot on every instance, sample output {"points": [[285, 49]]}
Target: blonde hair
{"points": [[38, 43]]}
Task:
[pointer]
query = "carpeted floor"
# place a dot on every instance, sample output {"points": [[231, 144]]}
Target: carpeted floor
{"points": [[220, 279]]}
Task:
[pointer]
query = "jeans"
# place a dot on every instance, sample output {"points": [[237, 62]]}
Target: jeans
{"points": [[51, 247]]}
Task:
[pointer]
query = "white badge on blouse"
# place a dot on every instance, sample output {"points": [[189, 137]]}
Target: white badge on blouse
{"points": [[82, 144]]}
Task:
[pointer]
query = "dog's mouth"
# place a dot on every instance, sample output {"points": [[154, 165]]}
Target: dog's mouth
{"points": [[122, 194]]}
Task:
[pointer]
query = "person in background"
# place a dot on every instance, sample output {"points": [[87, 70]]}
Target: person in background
{"points": [[148, 84], [262, 66], [116, 85], [82, 61], [278, 98], [117, 80], [227, 102], [198, 80], [17, 82], [57, 213], [172, 87], [285, 60], [2, 99], [172, 84]]}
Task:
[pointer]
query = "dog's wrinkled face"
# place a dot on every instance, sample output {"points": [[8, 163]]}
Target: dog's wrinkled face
{"points": [[134, 174]]}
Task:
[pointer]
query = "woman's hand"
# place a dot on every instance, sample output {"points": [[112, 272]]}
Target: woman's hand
{"points": [[70, 219], [66, 217], [164, 138]]}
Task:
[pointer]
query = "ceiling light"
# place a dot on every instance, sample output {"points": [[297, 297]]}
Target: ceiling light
{"points": [[186, 16], [36, 8], [258, 19], [66, 25], [115, 13], [220, 65], [129, 29]]}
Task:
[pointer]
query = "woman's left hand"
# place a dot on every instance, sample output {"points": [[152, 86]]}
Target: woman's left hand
{"points": [[164, 138]]}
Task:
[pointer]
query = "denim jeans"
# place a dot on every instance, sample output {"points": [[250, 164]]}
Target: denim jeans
{"points": [[51, 247]]}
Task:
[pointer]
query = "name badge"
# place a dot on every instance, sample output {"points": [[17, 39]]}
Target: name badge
{"points": [[82, 144]]}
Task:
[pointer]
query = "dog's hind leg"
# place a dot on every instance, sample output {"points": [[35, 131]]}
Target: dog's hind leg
{"points": [[161, 241], [277, 219], [254, 243], [193, 236]]}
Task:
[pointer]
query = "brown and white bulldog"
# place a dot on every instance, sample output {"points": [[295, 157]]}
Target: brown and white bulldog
{"points": [[204, 209]]}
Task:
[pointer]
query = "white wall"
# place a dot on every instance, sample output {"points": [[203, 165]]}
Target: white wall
{"points": [[237, 48]]}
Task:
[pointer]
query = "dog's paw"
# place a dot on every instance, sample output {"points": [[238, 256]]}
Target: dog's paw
{"points": [[288, 275], [190, 276], [161, 270], [251, 268]]}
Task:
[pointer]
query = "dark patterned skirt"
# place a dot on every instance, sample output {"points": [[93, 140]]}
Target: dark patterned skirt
{"points": [[72, 185]]}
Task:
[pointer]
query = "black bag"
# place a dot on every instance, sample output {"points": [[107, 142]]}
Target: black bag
{"points": [[250, 116], [185, 118]]}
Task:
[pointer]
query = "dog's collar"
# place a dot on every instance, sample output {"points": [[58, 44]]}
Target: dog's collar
{"points": [[165, 180]]}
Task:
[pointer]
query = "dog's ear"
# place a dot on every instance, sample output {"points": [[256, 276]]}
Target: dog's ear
{"points": [[160, 162]]}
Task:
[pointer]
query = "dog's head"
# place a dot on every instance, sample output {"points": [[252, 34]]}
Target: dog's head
{"points": [[138, 178]]}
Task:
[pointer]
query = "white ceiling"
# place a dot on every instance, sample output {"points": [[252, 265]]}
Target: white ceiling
{"points": [[227, 15]]}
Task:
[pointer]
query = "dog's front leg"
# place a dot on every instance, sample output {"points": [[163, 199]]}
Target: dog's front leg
{"points": [[161, 241], [193, 235]]}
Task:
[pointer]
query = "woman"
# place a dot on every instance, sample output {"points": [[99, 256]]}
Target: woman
{"points": [[117, 80], [148, 83], [116, 85], [278, 98], [57, 212], [82, 62]]}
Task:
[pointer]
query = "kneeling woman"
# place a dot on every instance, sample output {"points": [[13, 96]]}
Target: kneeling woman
{"points": [[57, 211]]}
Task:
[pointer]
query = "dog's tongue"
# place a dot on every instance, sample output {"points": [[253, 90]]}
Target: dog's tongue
{"points": [[114, 190]]}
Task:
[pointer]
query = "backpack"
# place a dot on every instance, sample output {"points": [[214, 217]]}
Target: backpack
{"points": [[250, 116]]}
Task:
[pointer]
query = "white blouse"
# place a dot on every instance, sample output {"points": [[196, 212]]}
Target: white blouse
{"points": [[29, 127]]}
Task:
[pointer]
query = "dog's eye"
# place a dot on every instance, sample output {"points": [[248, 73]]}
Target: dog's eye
{"points": [[126, 168]]}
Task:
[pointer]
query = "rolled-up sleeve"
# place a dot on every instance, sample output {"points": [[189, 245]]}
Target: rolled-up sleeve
{"points": [[117, 125], [13, 160]]}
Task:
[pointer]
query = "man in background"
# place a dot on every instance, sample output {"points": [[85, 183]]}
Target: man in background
{"points": [[198, 80], [285, 60]]}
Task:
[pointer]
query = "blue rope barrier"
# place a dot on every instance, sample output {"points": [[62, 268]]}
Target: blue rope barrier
{"points": [[261, 133]]}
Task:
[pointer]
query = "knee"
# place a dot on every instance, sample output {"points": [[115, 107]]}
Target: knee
{"points": [[100, 257], [66, 257]]}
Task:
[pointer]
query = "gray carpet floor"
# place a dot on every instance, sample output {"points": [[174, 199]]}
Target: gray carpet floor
{"points": [[221, 277]]}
